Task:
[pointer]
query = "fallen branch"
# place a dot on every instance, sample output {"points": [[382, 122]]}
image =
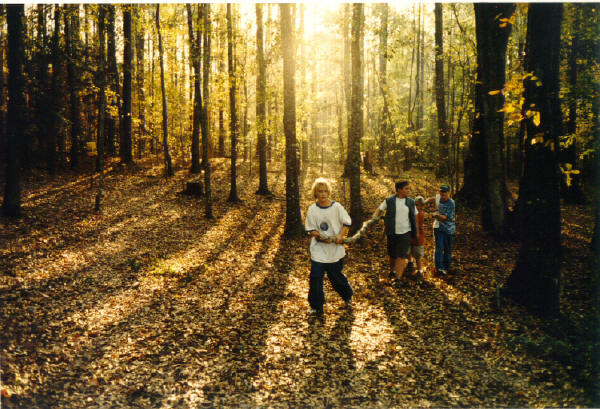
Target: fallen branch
{"points": [[357, 235]]}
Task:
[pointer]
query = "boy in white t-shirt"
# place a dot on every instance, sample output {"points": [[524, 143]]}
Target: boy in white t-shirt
{"points": [[328, 218]]}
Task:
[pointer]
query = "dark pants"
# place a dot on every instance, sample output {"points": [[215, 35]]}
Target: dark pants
{"points": [[316, 296], [443, 249]]}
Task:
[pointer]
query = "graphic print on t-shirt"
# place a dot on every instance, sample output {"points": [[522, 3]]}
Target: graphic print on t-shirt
{"points": [[324, 226]]}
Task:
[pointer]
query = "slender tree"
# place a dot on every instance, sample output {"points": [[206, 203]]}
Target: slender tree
{"points": [[293, 221], [233, 121], [195, 65], [204, 118], [443, 168], [384, 124], [16, 108], [101, 84], [74, 80], [126, 146], [261, 96], [167, 156], [356, 114], [2, 86], [535, 281], [57, 98], [572, 192], [113, 79], [139, 52]]}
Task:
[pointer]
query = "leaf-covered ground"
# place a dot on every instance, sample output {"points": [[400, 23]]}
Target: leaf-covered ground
{"points": [[149, 304]]}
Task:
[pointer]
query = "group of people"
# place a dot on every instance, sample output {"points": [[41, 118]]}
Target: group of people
{"points": [[404, 219]]}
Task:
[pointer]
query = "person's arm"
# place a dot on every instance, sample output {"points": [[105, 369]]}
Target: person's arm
{"points": [[339, 239], [379, 211]]}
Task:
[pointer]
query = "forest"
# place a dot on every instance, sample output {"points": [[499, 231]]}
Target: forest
{"points": [[156, 169]]}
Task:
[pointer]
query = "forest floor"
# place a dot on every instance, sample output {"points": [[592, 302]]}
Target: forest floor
{"points": [[149, 304]]}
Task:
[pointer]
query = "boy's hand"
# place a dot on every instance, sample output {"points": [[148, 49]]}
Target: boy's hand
{"points": [[339, 239]]}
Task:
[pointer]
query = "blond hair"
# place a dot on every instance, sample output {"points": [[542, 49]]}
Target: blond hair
{"points": [[320, 182]]}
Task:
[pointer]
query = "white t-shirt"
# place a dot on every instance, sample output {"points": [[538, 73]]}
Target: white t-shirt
{"points": [[329, 221], [402, 221], [436, 222]]}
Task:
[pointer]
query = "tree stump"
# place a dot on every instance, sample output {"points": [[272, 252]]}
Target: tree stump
{"points": [[194, 189]]}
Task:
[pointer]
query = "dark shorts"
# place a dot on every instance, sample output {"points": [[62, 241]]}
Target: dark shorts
{"points": [[398, 245]]}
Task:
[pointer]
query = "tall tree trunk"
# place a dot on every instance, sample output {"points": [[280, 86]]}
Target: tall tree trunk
{"points": [[3, 142], [443, 166], [41, 98], [572, 192], [139, 52], [419, 81], [167, 156], [74, 81], [16, 108], [293, 220], [222, 37], [206, 61], [356, 115], [383, 123], [492, 40], [485, 181], [126, 138], [261, 96], [204, 118], [233, 121], [195, 64], [55, 135], [113, 78], [347, 82], [535, 281], [101, 84]]}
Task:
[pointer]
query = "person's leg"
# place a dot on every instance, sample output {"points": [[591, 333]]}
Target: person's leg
{"points": [[400, 266], [419, 264], [448, 250], [338, 280], [439, 249], [316, 296]]}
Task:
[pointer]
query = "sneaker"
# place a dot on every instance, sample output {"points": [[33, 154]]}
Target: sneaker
{"points": [[442, 272], [392, 275]]}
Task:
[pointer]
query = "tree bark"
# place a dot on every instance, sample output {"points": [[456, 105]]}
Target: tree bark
{"points": [[74, 81], [347, 82], [356, 114], [535, 281], [233, 121], [261, 96], [126, 138], [167, 156], [11, 206], [57, 101], [204, 118], [195, 64], [139, 51], [485, 169], [443, 166], [293, 221], [572, 192], [113, 79], [383, 122], [101, 84]]}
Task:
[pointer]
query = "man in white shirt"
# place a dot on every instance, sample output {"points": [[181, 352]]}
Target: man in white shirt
{"points": [[400, 227]]}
